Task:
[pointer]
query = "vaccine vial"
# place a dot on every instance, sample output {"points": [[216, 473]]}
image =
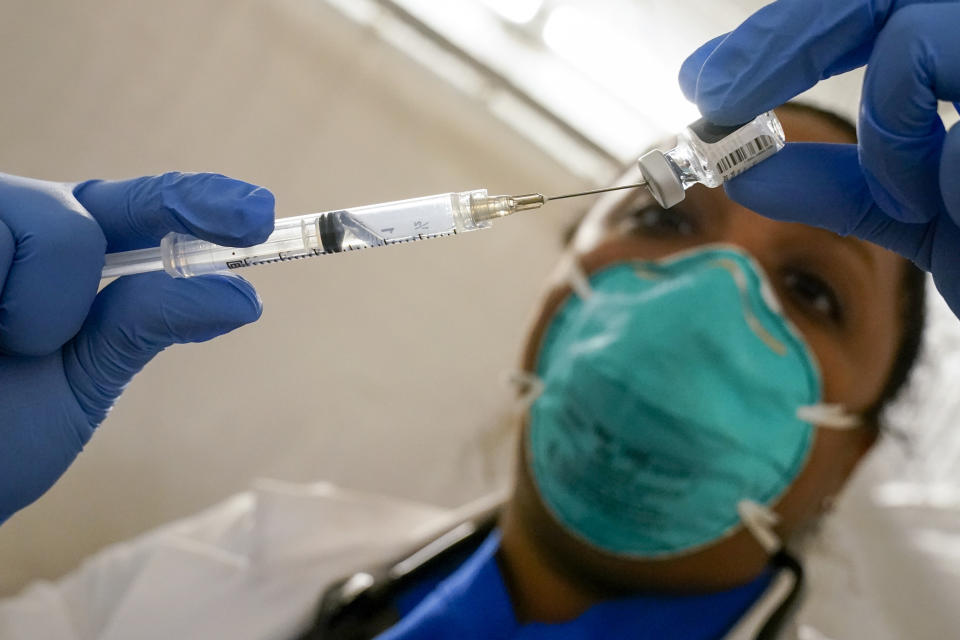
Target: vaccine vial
{"points": [[710, 154]]}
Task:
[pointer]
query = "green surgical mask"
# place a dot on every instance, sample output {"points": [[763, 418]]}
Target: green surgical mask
{"points": [[676, 401]]}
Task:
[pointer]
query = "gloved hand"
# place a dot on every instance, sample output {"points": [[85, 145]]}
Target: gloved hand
{"points": [[900, 187], [67, 352]]}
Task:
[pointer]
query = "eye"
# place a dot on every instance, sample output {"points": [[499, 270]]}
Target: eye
{"points": [[814, 294], [656, 221]]}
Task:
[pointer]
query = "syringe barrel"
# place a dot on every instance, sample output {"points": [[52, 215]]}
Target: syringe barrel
{"points": [[313, 234], [292, 238], [127, 263]]}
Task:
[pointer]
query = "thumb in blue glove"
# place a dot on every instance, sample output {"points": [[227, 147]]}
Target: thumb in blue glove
{"points": [[843, 203], [50, 403]]}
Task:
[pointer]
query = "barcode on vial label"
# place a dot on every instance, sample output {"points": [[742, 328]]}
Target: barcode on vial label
{"points": [[744, 154]]}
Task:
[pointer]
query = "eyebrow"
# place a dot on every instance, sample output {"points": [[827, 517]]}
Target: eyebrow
{"points": [[859, 247], [640, 195], [628, 201]]}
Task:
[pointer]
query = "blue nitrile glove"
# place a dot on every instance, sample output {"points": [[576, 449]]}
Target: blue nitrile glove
{"points": [[67, 352], [900, 188]]}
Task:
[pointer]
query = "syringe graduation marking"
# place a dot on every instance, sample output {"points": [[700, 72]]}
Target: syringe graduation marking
{"points": [[247, 262]]}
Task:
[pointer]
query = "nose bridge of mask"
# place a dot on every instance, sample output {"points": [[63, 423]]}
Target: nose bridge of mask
{"points": [[695, 342], [759, 305], [754, 288]]}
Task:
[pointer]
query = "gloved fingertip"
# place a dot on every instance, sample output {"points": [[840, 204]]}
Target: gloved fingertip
{"points": [[689, 75], [259, 205], [221, 209], [204, 307], [249, 307], [159, 310]]}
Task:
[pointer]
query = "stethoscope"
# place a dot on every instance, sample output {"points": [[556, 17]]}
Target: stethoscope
{"points": [[361, 606]]}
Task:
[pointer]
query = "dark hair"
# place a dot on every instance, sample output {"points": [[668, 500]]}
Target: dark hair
{"points": [[913, 286]]}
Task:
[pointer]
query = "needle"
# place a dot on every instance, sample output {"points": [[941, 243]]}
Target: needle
{"points": [[588, 193], [537, 200]]}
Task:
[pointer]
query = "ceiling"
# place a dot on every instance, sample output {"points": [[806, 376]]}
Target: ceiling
{"points": [[591, 81]]}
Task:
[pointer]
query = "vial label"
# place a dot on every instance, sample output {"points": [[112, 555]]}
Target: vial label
{"points": [[727, 165]]}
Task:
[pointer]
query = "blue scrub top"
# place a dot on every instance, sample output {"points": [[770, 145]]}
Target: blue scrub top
{"points": [[473, 603]]}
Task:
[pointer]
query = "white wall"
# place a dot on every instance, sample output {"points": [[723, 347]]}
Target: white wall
{"points": [[374, 370]]}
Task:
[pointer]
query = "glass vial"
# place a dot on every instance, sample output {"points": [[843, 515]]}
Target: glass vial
{"points": [[710, 154]]}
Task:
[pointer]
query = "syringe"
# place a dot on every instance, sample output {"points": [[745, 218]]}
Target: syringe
{"points": [[706, 154], [316, 234]]}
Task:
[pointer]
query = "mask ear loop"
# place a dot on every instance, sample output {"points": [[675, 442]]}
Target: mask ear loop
{"points": [[760, 521], [831, 416], [577, 278], [529, 386]]}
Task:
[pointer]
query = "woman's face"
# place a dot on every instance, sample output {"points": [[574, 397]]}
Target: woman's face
{"points": [[842, 294]]}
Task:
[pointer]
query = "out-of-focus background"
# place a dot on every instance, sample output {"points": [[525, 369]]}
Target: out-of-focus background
{"points": [[381, 370]]}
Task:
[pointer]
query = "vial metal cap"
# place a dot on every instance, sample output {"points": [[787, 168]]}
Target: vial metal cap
{"points": [[662, 179]]}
